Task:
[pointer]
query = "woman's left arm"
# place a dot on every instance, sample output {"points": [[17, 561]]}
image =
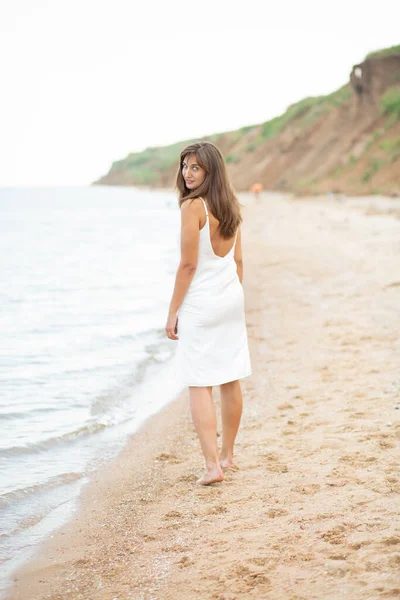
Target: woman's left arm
{"points": [[190, 221]]}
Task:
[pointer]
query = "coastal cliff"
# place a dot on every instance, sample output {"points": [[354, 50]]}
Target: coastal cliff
{"points": [[346, 142]]}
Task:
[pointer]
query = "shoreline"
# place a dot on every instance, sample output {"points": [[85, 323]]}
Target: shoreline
{"points": [[138, 451], [311, 507]]}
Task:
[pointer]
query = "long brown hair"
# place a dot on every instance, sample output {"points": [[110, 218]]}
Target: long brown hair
{"points": [[216, 186]]}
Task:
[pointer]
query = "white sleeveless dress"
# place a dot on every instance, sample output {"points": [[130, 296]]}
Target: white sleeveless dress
{"points": [[212, 345]]}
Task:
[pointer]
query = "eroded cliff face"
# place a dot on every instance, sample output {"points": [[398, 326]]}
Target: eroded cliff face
{"points": [[369, 80], [347, 142]]}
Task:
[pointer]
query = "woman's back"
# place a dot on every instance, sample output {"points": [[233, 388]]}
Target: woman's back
{"points": [[216, 273], [221, 246]]}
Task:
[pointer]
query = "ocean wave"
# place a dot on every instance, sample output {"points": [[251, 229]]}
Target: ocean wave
{"points": [[11, 415], [62, 479], [26, 412], [108, 408], [36, 447], [158, 350]]}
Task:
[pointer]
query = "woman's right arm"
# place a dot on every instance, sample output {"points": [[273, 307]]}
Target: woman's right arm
{"points": [[190, 235], [238, 255]]}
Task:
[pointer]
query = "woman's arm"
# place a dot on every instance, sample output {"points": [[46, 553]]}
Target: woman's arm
{"points": [[238, 255], [190, 221]]}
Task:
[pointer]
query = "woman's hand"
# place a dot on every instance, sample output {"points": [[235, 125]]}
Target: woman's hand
{"points": [[171, 327]]}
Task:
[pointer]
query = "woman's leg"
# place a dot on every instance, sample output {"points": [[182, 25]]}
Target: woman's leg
{"points": [[205, 421], [231, 412]]}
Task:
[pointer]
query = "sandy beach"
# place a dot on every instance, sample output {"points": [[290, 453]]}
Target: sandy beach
{"points": [[312, 509]]}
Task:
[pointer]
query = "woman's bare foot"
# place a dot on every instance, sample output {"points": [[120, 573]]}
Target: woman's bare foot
{"points": [[212, 474], [226, 462]]}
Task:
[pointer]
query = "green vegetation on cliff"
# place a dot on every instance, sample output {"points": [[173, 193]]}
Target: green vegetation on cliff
{"points": [[145, 167], [306, 111], [391, 102], [384, 52]]}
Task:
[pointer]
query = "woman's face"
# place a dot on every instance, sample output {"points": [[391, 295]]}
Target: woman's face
{"points": [[192, 173]]}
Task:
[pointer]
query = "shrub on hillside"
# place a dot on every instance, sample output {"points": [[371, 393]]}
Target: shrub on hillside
{"points": [[390, 102]]}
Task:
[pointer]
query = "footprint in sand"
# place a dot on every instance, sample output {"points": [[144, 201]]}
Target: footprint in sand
{"points": [[185, 561], [271, 456], [189, 478], [148, 538], [290, 430], [357, 415], [341, 475], [337, 569], [285, 406], [276, 512], [393, 540], [311, 426], [208, 493], [146, 499], [394, 561], [245, 579], [239, 570], [370, 565], [393, 484], [82, 562], [296, 557], [384, 593], [219, 543], [337, 535], [386, 445], [222, 595], [360, 544], [173, 514], [166, 457], [175, 548], [326, 516], [277, 468], [265, 561], [253, 426], [219, 509], [308, 489], [256, 579], [357, 459], [338, 556], [337, 482], [273, 462]]}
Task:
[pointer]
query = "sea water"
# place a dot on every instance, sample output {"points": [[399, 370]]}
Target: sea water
{"points": [[86, 279]]}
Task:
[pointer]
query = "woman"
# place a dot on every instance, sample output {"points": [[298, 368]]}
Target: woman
{"points": [[208, 299]]}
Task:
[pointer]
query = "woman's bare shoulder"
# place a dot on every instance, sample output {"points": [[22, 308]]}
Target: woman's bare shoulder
{"points": [[192, 204]]}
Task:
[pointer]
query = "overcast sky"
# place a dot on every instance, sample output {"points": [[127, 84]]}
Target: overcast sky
{"points": [[85, 82]]}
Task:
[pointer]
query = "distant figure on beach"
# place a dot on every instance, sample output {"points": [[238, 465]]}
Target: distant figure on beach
{"points": [[256, 188], [206, 313]]}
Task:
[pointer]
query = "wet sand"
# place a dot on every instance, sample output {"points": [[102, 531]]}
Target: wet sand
{"points": [[312, 509]]}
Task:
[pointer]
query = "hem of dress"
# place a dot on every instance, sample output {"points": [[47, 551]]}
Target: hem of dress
{"points": [[219, 383]]}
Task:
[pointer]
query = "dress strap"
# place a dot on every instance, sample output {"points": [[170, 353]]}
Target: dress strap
{"points": [[205, 205]]}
